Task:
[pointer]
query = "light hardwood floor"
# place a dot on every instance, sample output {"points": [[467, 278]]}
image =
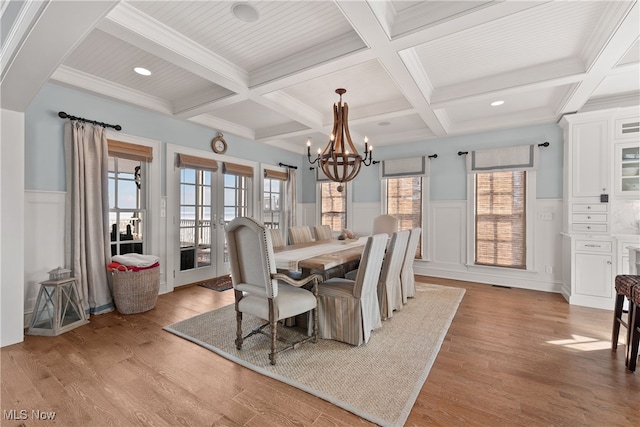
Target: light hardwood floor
{"points": [[511, 357]]}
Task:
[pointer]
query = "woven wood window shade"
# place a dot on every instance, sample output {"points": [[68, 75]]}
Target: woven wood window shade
{"points": [[126, 150], [333, 206], [404, 201], [501, 219], [236, 169], [194, 162], [273, 174]]}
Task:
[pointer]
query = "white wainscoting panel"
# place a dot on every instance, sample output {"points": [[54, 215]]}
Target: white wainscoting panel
{"points": [[446, 238], [43, 241], [446, 241], [362, 217]]}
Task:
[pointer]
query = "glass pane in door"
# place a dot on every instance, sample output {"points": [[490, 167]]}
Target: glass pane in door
{"points": [[195, 219]]}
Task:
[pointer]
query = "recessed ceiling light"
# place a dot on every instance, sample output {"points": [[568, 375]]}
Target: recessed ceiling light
{"points": [[245, 12], [384, 124], [496, 103], [142, 71]]}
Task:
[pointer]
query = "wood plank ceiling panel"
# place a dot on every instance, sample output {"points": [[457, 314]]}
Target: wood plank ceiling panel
{"points": [[283, 28], [110, 58]]}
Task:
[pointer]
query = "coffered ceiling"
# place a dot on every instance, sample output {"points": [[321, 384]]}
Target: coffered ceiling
{"points": [[413, 70]]}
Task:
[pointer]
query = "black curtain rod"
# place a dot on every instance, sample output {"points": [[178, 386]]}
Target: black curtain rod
{"points": [[282, 165], [64, 115], [544, 144], [433, 156]]}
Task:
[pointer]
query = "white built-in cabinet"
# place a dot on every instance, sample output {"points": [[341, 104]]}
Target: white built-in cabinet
{"points": [[601, 153]]}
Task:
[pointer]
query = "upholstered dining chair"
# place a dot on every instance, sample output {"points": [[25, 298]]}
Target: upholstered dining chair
{"points": [[389, 285], [385, 224], [348, 309], [260, 291], [407, 277], [276, 237], [323, 232], [300, 234]]}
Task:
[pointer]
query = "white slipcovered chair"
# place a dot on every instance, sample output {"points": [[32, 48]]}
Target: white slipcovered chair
{"points": [[407, 278], [276, 237], [323, 232], [389, 285], [300, 234], [262, 292], [348, 309], [385, 224]]}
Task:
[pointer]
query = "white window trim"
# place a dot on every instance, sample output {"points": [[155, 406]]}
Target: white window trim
{"points": [[425, 250], [349, 208], [531, 220]]}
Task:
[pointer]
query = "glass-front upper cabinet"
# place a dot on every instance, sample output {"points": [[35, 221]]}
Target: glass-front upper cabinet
{"points": [[627, 169]]}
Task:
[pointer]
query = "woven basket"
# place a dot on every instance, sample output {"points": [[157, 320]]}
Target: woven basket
{"points": [[136, 291]]}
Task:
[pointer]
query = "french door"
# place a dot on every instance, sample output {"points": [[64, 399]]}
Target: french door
{"points": [[207, 201]]}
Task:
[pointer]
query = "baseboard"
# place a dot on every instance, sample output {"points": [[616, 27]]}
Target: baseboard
{"points": [[460, 273]]}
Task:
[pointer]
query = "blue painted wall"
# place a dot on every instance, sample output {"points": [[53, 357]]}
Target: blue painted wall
{"points": [[44, 152], [448, 175], [44, 134]]}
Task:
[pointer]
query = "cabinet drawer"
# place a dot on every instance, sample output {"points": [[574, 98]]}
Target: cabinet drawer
{"points": [[590, 208], [589, 228], [589, 217], [593, 246]]}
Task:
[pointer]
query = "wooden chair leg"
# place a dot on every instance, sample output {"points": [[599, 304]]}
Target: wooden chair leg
{"points": [[238, 330], [617, 319], [635, 338], [274, 333]]}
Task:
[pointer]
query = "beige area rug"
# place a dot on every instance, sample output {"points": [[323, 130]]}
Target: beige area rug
{"points": [[378, 381]]}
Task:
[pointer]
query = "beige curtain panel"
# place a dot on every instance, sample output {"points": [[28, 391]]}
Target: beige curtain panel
{"points": [[87, 251]]}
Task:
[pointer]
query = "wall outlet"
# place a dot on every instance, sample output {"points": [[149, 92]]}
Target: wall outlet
{"points": [[548, 269]]}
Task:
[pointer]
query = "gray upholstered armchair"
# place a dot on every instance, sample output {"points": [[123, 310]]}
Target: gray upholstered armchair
{"points": [[261, 291]]}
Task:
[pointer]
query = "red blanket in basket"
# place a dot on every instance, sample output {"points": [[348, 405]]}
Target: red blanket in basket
{"points": [[121, 267]]}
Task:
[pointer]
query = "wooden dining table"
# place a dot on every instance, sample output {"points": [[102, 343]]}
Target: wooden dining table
{"points": [[326, 257]]}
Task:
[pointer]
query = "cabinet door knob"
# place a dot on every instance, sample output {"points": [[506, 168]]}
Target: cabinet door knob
{"points": [[588, 227], [588, 207], [588, 217]]}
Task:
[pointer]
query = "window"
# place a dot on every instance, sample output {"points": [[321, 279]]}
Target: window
{"points": [[404, 201], [272, 197], [195, 218], [333, 205], [500, 219], [126, 205]]}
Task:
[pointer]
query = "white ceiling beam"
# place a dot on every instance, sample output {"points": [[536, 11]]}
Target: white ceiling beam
{"points": [[365, 23], [462, 22], [36, 54], [222, 125], [138, 29], [207, 102], [291, 108], [605, 61], [519, 81], [73, 78]]}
